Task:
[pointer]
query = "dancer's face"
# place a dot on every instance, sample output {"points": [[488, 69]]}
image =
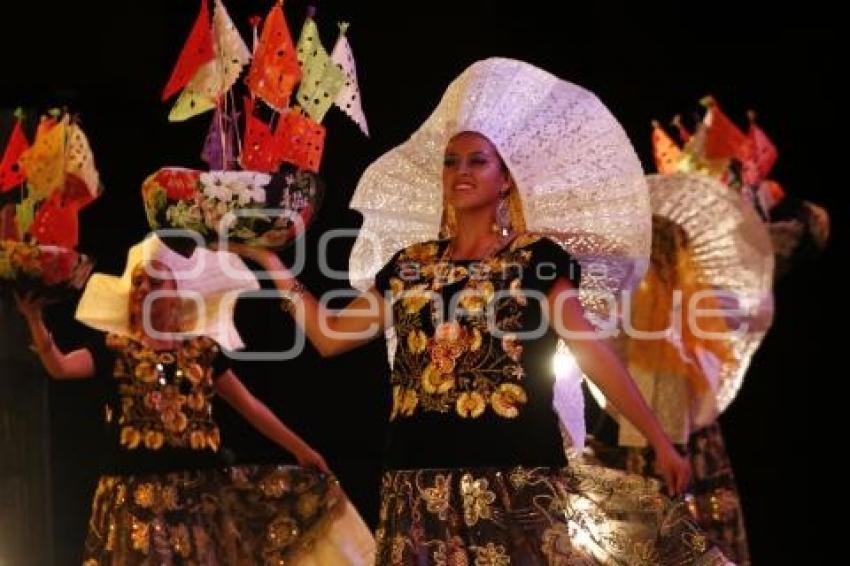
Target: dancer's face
{"points": [[164, 310], [474, 175]]}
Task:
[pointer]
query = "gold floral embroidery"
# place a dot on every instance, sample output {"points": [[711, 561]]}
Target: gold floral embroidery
{"points": [[404, 402], [275, 485], [470, 404], [696, 541], [165, 397], [196, 401], [581, 515], [445, 274], [213, 439], [557, 545], [197, 440], [145, 372], [139, 535], [506, 400], [396, 287], [524, 240], [168, 496], [144, 495], [397, 553], [154, 439], [476, 296], [452, 553], [512, 347], [461, 366], [519, 477], [475, 342], [435, 381], [415, 298], [130, 437], [307, 505], [517, 294], [422, 252], [491, 555], [437, 497], [281, 532], [181, 541], [476, 499], [195, 373], [417, 341]]}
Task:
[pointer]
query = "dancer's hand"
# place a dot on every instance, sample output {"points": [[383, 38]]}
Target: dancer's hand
{"points": [[309, 458], [266, 258], [30, 305], [673, 468]]}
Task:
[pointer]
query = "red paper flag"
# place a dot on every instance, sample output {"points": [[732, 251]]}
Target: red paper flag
{"points": [[55, 224], [258, 149], [724, 139], [197, 51], [11, 172], [274, 71], [764, 155], [300, 140]]}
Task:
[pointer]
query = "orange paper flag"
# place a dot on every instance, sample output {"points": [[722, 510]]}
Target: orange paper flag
{"points": [[11, 172], [300, 140], [259, 152], [197, 51], [274, 71], [667, 154]]}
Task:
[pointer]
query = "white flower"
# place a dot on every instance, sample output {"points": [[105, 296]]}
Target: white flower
{"points": [[244, 187]]}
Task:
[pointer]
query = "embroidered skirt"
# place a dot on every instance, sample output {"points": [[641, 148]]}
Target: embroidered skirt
{"points": [[229, 516], [529, 516], [712, 497]]}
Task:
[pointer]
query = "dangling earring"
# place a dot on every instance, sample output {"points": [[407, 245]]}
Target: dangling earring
{"points": [[448, 223], [503, 216]]}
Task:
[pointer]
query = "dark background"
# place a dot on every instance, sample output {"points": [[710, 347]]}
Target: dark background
{"points": [[109, 62]]}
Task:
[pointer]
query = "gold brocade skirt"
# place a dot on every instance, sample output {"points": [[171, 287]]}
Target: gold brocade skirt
{"points": [[533, 516], [239, 515], [713, 499]]}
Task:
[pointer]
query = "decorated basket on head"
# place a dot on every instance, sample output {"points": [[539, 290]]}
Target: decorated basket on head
{"points": [[262, 187], [43, 186]]}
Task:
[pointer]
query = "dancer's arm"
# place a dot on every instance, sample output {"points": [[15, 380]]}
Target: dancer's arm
{"points": [[330, 332], [260, 416], [77, 364], [598, 361]]}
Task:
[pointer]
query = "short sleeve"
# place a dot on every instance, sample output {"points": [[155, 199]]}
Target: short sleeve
{"points": [[220, 362], [550, 262], [387, 272], [102, 358]]}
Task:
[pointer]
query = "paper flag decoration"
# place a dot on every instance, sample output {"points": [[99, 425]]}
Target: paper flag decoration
{"points": [[321, 80], [300, 140], [348, 98], [11, 171], [197, 50], [44, 162], [274, 71], [665, 151]]}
